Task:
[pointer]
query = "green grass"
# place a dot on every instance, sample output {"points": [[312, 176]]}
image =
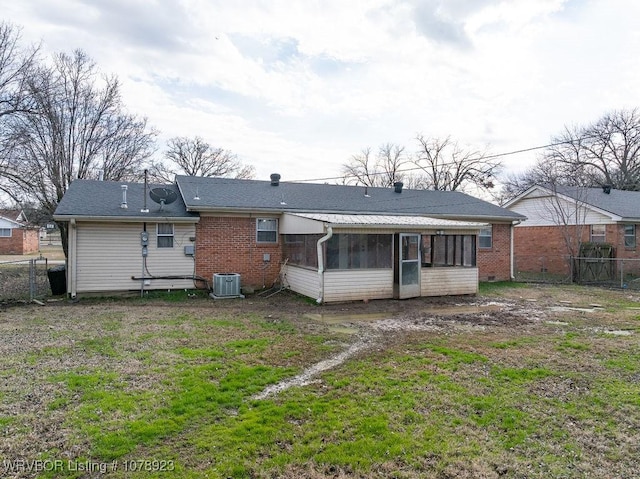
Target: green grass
{"points": [[178, 384]]}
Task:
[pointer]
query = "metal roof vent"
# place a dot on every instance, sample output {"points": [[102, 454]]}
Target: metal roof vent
{"points": [[275, 179], [124, 205], [398, 186]]}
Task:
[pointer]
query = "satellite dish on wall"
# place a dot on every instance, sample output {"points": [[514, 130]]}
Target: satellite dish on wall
{"points": [[163, 196]]}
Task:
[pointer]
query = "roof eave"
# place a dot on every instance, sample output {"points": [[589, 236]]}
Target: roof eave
{"points": [[405, 227], [476, 218], [127, 219]]}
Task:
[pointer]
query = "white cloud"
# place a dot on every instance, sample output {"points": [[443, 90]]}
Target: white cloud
{"points": [[298, 86]]}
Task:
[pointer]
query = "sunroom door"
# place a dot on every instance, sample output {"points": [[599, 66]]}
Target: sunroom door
{"points": [[409, 265]]}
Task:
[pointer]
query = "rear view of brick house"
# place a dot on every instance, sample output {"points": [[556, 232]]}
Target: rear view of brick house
{"points": [[563, 219]]}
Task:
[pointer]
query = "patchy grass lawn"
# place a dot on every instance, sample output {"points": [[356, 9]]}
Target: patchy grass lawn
{"points": [[541, 383]]}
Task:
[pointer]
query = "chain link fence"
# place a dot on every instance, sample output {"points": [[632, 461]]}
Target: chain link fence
{"points": [[24, 280], [564, 269]]}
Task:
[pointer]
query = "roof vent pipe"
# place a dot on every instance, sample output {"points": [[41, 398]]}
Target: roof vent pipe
{"points": [[100, 175], [123, 205], [398, 186], [144, 194], [606, 189], [275, 179]]}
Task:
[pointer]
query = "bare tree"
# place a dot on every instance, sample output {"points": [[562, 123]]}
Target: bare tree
{"points": [[565, 208], [383, 170], [15, 64], [449, 167], [606, 152], [196, 157], [611, 149], [555, 168], [77, 129]]}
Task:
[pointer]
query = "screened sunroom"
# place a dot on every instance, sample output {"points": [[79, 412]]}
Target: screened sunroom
{"points": [[337, 257]]}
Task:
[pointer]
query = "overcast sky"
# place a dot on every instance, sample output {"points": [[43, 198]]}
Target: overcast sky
{"points": [[297, 87]]}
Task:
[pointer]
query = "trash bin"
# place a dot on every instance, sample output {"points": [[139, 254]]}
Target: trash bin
{"points": [[58, 279]]}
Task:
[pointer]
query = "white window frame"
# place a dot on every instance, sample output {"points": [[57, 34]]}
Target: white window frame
{"points": [[164, 235], [260, 223], [594, 237], [629, 238], [482, 234], [6, 232]]}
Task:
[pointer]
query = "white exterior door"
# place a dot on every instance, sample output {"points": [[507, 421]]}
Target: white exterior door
{"points": [[409, 266]]}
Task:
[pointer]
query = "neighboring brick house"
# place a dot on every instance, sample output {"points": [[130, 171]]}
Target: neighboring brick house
{"points": [[560, 219], [17, 237], [339, 242]]}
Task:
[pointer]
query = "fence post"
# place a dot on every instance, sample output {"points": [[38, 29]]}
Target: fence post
{"points": [[622, 274], [32, 279]]}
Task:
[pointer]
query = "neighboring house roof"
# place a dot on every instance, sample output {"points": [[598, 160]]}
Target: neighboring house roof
{"points": [[14, 216], [621, 205], [224, 194], [89, 199]]}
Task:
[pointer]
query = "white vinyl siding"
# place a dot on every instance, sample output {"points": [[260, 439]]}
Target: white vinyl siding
{"points": [[109, 254], [449, 281], [544, 212], [303, 280], [354, 285]]}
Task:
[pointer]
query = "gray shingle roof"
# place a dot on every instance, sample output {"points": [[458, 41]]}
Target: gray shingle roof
{"points": [[232, 194], [102, 199], [618, 202]]}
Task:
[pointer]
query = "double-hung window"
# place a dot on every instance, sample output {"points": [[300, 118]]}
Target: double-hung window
{"points": [[629, 236], [5, 232], [485, 238], [164, 233], [267, 230], [598, 233]]}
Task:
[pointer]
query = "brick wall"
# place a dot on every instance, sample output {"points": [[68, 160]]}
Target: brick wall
{"points": [[21, 241], [540, 249], [228, 245], [615, 236], [494, 264], [31, 240], [543, 247]]}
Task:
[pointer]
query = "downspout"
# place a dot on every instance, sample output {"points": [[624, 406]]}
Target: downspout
{"points": [[73, 267], [321, 264], [512, 259]]}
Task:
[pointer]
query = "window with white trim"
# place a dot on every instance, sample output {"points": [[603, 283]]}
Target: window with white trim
{"points": [[164, 234], [598, 234], [266, 230], [485, 237], [5, 232], [629, 236]]}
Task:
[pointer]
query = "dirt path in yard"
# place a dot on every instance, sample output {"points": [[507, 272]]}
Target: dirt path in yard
{"points": [[369, 330]]}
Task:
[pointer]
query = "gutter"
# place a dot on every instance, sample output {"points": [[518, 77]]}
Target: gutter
{"points": [[129, 219], [511, 254], [321, 264]]}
